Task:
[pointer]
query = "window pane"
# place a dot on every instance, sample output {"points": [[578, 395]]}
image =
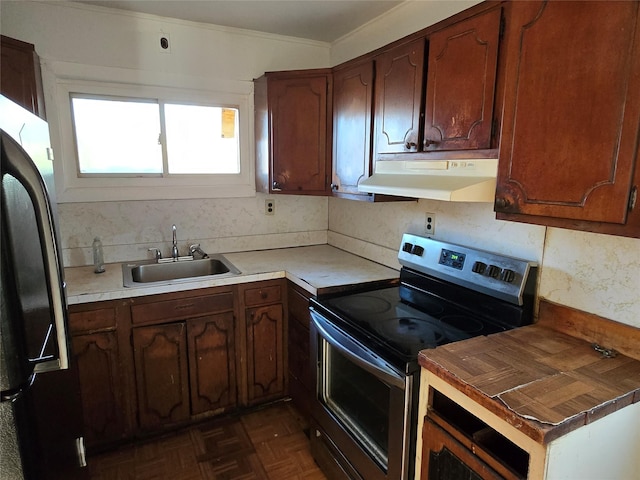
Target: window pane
{"points": [[202, 139], [117, 136]]}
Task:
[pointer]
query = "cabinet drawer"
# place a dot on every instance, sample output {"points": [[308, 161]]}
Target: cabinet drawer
{"points": [[104, 318], [181, 308], [263, 295]]}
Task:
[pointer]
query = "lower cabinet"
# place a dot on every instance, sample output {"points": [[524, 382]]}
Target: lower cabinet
{"points": [[185, 360], [301, 386], [184, 369], [160, 361], [162, 377], [212, 358], [99, 340], [265, 340]]}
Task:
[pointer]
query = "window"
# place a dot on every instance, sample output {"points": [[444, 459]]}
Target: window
{"points": [[126, 136], [133, 141]]}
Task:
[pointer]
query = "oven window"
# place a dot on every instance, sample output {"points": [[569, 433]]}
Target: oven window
{"points": [[360, 401]]}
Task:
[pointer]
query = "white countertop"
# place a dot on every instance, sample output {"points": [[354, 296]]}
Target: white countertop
{"points": [[316, 268]]}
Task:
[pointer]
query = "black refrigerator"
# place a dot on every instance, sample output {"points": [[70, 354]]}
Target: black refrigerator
{"points": [[40, 412]]}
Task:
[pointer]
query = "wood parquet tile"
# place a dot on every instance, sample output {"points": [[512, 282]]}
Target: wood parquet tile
{"points": [[264, 444]]}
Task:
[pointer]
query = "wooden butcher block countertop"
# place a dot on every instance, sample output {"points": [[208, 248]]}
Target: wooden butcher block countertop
{"points": [[541, 380]]}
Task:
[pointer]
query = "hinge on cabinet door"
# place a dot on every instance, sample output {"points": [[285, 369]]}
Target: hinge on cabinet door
{"points": [[633, 197]]}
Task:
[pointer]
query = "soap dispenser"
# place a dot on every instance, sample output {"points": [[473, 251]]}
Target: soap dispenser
{"points": [[98, 256]]}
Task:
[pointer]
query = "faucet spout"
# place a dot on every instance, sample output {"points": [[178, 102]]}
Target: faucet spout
{"points": [[174, 249]]}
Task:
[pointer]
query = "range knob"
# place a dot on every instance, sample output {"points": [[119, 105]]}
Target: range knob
{"points": [[507, 275], [479, 267], [407, 247], [494, 272], [417, 250]]}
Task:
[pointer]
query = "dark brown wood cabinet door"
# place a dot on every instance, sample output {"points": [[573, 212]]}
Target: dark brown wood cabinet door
{"points": [[265, 353], [101, 387], [398, 98], [352, 121], [212, 367], [461, 77], [572, 110], [301, 386], [20, 75], [299, 134], [160, 353]]}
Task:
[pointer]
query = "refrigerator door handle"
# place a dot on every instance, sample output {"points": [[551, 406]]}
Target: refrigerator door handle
{"points": [[14, 394], [19, 165], [82, 455]]}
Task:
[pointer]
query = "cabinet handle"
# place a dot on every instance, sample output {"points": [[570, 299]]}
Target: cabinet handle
{"points": [[276, 186], [410, 145], [428, 142], [502, 203], [184, 306]]}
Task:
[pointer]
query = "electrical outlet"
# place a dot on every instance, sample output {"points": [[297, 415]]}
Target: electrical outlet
{"points": [[429, 223], [269, 207]]}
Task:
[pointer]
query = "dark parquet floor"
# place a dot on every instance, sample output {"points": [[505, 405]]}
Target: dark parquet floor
{"points": [[269, 443]]}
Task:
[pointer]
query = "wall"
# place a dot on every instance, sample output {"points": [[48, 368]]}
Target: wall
{"points": [[99, 42], [591, 272], [596, 273]]}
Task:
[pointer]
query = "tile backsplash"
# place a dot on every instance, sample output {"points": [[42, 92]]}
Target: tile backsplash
{"points": [[591, 272], [128, 229]]}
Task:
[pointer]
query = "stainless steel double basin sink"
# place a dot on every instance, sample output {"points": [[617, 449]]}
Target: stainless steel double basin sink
{"points": [[169, 271]]}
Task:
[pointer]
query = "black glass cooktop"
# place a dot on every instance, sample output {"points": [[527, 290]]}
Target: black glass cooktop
{"points": [[385, 322]]}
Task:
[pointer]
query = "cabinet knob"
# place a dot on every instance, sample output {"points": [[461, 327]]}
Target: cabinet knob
{"points": [[502, 203], [410, 145], [276, 186], [335, 186]]}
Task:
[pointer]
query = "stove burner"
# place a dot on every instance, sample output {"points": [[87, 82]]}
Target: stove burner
{"points": [[409, 330], [363, 304], [463, 322]]}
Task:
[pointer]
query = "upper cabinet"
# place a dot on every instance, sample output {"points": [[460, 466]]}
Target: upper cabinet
{"points": [[461, 78], [399, 74], [447, 106], [571, 116], [293, 134], [352, 110], [20, 78]]}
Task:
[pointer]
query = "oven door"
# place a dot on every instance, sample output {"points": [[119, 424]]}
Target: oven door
{"points": [[362, 407]]}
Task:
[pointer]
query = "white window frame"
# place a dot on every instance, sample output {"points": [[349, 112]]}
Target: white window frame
{"points": [[71, 187]]}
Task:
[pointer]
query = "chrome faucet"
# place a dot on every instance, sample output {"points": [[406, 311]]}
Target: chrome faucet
{"points": [[193, 249], [174, 249], [156, 253]]}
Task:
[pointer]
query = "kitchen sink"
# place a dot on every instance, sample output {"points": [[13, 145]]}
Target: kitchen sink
{"points": [[186, 269]]}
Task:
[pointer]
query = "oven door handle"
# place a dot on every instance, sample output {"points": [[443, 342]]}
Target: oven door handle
{"points": [[357, 353]]}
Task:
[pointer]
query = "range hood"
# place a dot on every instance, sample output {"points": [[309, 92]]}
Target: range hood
{"points": [[472, 180]]}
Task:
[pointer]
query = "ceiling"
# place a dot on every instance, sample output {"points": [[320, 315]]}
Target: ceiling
{"points": [[322, 20]]}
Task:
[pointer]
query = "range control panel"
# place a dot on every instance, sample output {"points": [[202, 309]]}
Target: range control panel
{"points": [[497, 275]]}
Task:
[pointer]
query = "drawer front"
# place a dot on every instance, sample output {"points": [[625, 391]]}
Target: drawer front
{"points": [[181, 308], [263, 295], [92, 320]]}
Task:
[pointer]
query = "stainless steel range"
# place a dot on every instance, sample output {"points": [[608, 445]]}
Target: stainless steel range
{"points": [[365, 344]]}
